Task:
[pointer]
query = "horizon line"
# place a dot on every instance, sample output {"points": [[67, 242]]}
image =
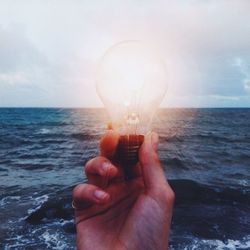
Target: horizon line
{"points": [[63, 107]]}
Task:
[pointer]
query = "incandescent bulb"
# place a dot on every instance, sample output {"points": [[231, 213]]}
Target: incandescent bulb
{"points": [[131, 82]]}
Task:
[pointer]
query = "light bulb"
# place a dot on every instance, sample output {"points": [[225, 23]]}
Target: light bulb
{"points": [[131, 82]]}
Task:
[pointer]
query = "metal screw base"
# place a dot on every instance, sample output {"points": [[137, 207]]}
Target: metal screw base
{"points": [[128, 148]]}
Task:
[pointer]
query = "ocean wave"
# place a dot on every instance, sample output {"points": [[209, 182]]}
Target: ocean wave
{"points": [[212, 149], [229, 138], [53, 141], [210, 213], [14, 141], [210, 137], [38, 201], [196, 243], [172, 138], [229, 244], [54, 240], [34, 166], [85, 137], [189, 191], [56, 207], [8, 199], [53, 123], [5, 161], [42, 237], [2, 169], [175, 163], [44, 131], [215, 216], [32, 155]]}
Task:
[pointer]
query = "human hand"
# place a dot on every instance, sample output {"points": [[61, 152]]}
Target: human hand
{"points": [[111, 213]]}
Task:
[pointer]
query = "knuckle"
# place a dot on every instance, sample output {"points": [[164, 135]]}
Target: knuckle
{"points": [[81, 193], [85, 188], [167, 194], [77, 190], [94, 164], [171, 196], [88, 165], [102, 159]]}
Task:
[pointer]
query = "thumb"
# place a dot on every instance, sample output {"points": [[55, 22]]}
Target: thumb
{"points": [[152, 172], [108, 144]]}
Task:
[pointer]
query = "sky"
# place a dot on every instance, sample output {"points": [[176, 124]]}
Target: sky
{"points": [[49, 49]]}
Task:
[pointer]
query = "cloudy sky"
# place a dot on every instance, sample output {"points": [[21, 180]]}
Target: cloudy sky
{"points": [[49, 49]]}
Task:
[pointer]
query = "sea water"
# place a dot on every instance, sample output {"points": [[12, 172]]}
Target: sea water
{"points": [[205, 154]]}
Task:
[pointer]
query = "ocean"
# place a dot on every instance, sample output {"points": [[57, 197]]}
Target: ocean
{"points": [[205, 154]]}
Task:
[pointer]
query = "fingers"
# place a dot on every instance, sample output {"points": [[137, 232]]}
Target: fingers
{"points": [[100, 166], [100, 170], [152, 172], [85, 195], [108, 144]]}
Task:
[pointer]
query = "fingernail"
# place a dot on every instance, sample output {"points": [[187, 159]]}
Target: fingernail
{"points": [[154, 140], [106, 165], [100, 195]]}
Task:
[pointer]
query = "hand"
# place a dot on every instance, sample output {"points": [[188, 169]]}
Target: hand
{"points": [[112, 213]]}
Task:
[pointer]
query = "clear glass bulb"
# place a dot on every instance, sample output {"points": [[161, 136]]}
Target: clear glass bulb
{"points": [[131, 82]]}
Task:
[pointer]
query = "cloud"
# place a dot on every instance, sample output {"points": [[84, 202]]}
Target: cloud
{"points": [[206, 37], [244, 68], [247, 85], [53, 47], [20, 60], [13, 78], [16, 50]]}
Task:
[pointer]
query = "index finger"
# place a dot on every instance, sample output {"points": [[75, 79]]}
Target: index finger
{"points": [[108, 144]]}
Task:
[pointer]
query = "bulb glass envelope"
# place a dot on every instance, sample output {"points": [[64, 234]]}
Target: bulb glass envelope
{"points": [[131, 82]]}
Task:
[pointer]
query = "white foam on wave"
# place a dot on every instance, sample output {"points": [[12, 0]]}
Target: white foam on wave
{"points": [[38, 201], [40, 238], [218, 244], [54, 240], [63, 222], [231, 244], [17, 242], [9, 199], [44, 131], [244, 183]]}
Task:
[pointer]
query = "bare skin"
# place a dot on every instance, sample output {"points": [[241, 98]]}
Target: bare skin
{"points": [[112, 213]]}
